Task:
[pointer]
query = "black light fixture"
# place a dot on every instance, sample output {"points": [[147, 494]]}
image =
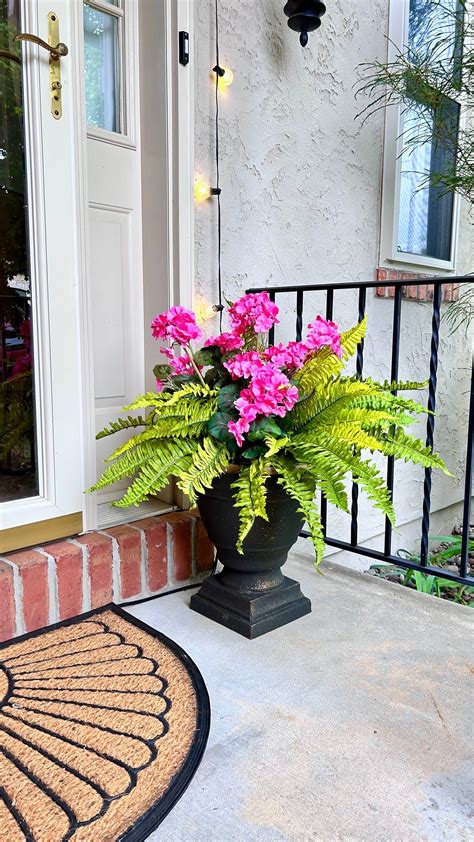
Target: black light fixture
{"points": [[304, 16]]}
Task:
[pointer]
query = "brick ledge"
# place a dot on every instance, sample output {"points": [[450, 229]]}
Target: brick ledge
{"points": [[43, 585]]}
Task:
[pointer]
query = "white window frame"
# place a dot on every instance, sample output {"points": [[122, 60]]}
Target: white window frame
{"points": [[390, 257]]}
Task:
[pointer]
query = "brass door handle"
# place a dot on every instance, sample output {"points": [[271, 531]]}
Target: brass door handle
{"points": [[57, 52]]}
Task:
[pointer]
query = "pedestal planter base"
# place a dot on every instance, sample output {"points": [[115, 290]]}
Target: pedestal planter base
{"points": [[251, 613]]}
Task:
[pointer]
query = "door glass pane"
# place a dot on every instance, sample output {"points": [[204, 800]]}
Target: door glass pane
{"points": [[426, 210], [102, 69], [18, 476]]}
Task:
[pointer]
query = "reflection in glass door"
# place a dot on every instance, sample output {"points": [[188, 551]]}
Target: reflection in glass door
{"points": [[18, 473]]}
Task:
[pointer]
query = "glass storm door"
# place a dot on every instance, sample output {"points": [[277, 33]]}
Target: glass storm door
{"points": [[40, 465]]}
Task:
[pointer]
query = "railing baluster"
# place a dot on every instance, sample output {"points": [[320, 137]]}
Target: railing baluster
{"points": [[430, 424], [271, 333], [329, 316], [466, 520], [359, 369], [397, 314], [299, 315]]}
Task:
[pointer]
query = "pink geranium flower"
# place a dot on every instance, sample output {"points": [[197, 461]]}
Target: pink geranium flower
{"points": [[269, 393], [244, 365], [225, 341], [178, 324], [254, 311], [290, 356], [323, 333], [179, 365]]}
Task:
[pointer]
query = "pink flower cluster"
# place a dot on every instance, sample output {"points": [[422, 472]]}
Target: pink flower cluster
{"points": [[323, 333], [179, 365], [225, 341], [244, 365], [178, 324], [254, 311], [268, 393], [290, 356]]}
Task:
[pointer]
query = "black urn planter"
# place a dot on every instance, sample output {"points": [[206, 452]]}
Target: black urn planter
{"points": [[251, 595]]}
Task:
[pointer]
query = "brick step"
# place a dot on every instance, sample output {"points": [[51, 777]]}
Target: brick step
{"points": [[55, 581]]}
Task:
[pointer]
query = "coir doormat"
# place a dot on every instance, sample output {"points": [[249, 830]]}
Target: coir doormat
{"points": [[103, 722]]}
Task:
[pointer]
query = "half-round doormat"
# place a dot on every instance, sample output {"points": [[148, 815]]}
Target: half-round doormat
{"points": [[103, 722]]}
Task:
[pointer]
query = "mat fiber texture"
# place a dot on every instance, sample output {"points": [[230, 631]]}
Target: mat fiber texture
{"points": [[103, 722]]}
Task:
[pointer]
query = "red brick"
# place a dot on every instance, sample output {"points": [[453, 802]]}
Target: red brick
{"points": [[455, 294], [380, 292], [33, 568], [381, 274], [156, 537], [7, 603], [68, 558], [100, 567], [130, 552], [205, 550], [181, 525]]}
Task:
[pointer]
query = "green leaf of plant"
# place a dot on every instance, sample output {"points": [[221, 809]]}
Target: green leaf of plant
{"points": [[263, 427], [217, 426], [208, 356], [162, 371], [227, 396], [254, 452]]}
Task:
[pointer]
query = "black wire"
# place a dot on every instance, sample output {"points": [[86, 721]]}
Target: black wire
{"points": [[219, 214]]}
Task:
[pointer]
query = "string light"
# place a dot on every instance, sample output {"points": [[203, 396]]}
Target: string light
{"points": [[225, 76], [202, 190]]}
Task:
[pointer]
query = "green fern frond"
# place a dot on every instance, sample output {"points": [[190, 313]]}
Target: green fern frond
{"points": [[327, 471], [122, 424], [327, 402], [171, 458], [275, 445], [364, 473], [160, 400], [210, 459], [402, 446], [352, 338], [301, 487], [127, 465], [250, 498]]}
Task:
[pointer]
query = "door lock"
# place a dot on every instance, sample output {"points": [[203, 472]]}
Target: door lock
{"points": [[57, 50]]}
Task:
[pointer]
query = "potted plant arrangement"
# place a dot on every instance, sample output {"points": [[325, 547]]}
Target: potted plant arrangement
{"points": [[250, 433]]}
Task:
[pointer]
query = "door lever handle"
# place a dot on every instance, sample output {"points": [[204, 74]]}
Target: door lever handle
{"points": [[57, 52]]}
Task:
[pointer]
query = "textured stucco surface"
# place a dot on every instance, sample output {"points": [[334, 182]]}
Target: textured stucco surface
{"points": [[301, 202]]}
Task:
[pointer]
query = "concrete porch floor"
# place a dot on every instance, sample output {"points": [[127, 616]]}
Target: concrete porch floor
{"points": [[353, 723]]}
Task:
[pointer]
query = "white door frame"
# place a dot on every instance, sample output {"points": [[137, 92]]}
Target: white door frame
{"points": [[179, 85]]}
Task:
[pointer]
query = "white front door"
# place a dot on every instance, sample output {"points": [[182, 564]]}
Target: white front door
{"points": [[41, 466]]}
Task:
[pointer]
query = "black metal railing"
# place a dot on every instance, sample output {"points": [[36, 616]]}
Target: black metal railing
{"points": [[435, 285]]}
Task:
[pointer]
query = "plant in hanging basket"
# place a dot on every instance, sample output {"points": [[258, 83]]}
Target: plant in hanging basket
{"points": [[251, 431]]}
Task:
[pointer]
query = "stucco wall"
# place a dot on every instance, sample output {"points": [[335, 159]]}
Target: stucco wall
{"points": [[301, 182]]}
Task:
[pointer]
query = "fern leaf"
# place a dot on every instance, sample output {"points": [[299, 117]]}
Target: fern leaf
{"points": [[171, 458], [250, 497], [353, 337], [327, 472], [210, 459], [275, 445], [126, 466], [122, 424], [402, 446], [301, 487]]}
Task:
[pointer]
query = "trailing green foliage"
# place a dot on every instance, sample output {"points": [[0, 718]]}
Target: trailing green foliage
{"points": [[209, 460], [250, 497], [301, 487]]}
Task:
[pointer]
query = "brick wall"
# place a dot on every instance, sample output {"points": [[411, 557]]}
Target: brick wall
{"points": [[53, 582], [420, 292]]}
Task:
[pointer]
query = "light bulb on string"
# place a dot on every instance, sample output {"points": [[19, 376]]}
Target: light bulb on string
{"points": [[225, 76], [202, 190]]}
